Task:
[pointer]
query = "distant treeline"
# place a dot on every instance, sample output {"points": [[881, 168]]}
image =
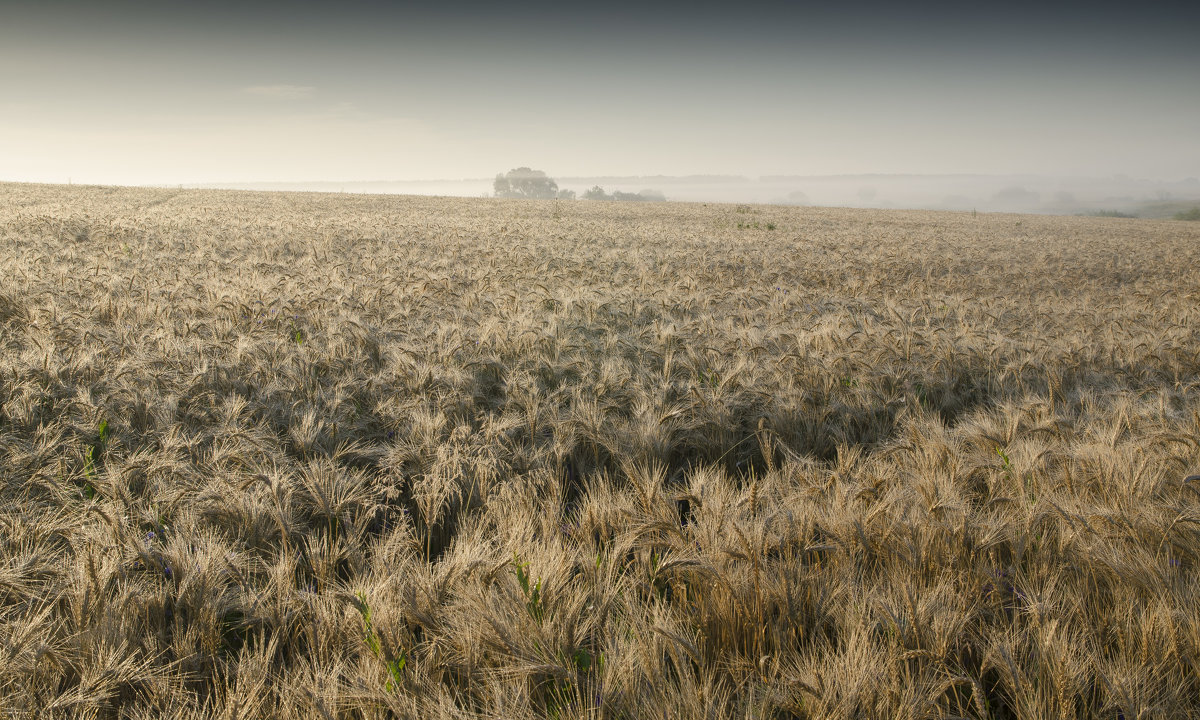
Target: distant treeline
{"points": [[525, 182], [598, 193]]}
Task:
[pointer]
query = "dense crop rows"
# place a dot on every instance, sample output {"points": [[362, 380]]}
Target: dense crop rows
{"points": [[344, 456]]}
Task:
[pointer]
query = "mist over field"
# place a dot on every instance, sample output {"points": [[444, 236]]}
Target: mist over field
{"points": [[1019, 194]]}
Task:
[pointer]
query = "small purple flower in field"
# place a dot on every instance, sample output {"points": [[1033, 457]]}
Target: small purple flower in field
{"points": [[151, 537], [1175, 562], [167, 570]]}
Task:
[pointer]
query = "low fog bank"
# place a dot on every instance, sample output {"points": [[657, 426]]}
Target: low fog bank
{"points": [[985, 193]]}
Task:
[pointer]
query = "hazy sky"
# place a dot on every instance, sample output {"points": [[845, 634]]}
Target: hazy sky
{"points": [[166, 92]]}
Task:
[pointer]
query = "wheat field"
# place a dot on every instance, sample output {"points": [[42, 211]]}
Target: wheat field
{"points": [[339, 456]]}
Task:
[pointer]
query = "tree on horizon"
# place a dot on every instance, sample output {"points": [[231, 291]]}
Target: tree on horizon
{"points": [[525, 182]]}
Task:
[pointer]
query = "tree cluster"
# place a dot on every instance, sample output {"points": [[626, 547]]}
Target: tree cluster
{"points": [[525, 182], [598, 193]]}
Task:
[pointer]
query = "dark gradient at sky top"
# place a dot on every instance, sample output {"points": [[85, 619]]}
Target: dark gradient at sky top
{"points": [[191, 92]]}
